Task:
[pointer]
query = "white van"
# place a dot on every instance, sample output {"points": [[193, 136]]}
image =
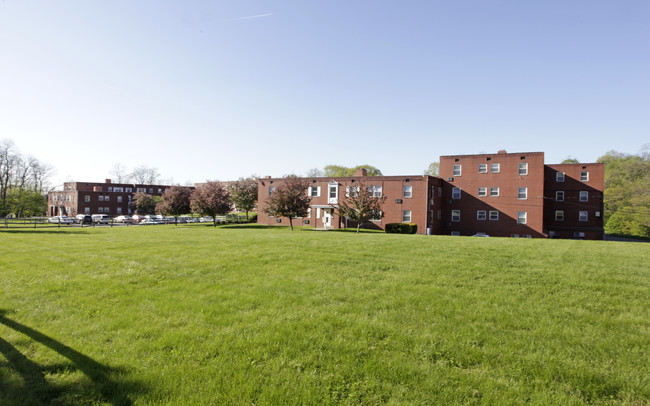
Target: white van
{"points": [[101, 218]]}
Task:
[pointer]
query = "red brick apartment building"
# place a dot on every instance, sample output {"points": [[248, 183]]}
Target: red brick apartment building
{"points": [[109, 198], [501, 195]]}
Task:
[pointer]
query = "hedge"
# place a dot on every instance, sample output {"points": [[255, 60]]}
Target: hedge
{"points": [[402, 228]]}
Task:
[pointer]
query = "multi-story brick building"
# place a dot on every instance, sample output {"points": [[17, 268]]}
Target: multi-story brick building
{"points": [[410, 199], [97, 198], [504, 195]]}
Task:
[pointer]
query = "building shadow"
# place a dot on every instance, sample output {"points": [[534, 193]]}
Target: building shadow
{"points": [[33, 388]]}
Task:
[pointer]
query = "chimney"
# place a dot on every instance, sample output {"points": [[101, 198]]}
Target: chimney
{"points": [[107, 181], [502, 151], [361, 172]]}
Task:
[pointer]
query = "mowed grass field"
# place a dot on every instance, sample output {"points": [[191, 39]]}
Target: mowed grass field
{"points": [[249, 315]]}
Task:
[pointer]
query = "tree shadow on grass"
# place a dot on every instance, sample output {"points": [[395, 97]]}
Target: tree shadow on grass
{"points": [[31, 386]]}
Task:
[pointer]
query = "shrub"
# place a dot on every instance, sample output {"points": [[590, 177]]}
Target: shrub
{"points": [[253, 218], [401, 228]]}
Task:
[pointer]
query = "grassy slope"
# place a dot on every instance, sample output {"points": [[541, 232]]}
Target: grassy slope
{"points": [[252, 315]]}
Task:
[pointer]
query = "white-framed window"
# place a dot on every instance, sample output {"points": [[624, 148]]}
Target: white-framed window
{"points": [[406, 216], [583, 215], [110, 189], [522, 217], [408, 192], [119, 210], [159, 190], [87, 198], [271, 190], [314, 191], [118, 189], [119, 199], [107, 198], [494, 192], [142, 190], [100, 210], [522, 193], [482, 191], [559, 196], [481, 215], [129, 190], [375, 190], [455, 215], [107, 210], [527, 236], [333, 192], [86, 210], [584, 176], [101, 198], [455, 193], [495, 168], [457, 170], [559, 215], [482, 168], [579, 234], [559, 176], [523, 168], [584, 196], [494, 215], [515, 236]]}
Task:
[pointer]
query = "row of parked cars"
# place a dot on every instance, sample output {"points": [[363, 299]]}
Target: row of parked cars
{"points": [[134, 219]]}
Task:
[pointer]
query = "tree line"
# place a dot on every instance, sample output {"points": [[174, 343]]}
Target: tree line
{"points": [[23, 182]]}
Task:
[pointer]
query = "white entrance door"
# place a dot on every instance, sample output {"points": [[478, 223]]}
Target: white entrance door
{"points": [[327, 218]]}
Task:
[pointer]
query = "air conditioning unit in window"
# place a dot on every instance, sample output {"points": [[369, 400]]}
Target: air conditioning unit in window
{"points": [[305, 221], [278, 220], [597, 214], [398, 201], [450, 179]]}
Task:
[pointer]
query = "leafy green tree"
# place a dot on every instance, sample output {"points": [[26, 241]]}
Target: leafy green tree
{"points": [[144, 203], [243, 193], [210, 199], [360, 205], [289, 199], [570, 160], [336, 171], [26, 203], [433, 169], [175, 201]]}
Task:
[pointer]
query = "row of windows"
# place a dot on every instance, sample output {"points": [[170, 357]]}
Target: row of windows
{"points": [[522, 216], [121, 189], [102, 198], [560, 176], [583, 196], [582, 215], [494, 168], [375, 191], [522, 192], [102, 210]]}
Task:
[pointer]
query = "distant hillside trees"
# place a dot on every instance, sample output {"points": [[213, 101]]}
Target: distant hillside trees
{"points": [[627, 193], [243, 194], [23, 183]]}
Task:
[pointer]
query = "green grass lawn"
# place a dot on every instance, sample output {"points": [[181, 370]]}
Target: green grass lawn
{"points": [[254, 315]]}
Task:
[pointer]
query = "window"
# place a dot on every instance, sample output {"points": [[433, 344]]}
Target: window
{"points": [[119, 210], [494, 191], [119, 199], [584, 176], [455, 193], [142, 190], [480, 215], [101, 198], [455, 233], [523, 168], [495, 168], [86, 210], [457, 170], [150, 190], [579, 234], [584, 196], [559, 196], [333, 193], [408, 192], [100, 210], [559, 215], [110, 189], [522, 217], [455, 215], [522, 194], [482, 191], [159, 190], [375, 191], [482, 168], [107, 198], [129, 190], [271, 190], [527, 236], [406, 216], [494, 215], [118, 189], [559, 177], [515, 236], [583, 216], [87, 198], [314, 191]]}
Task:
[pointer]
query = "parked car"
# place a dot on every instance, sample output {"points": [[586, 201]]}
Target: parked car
{"points": [[101, 218], [123, 219], [83, 219], [206, 219], [149, 221], [60, 220], [137, 218]]}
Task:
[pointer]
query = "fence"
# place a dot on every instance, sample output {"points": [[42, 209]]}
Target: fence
{"points": [[42, 222]]}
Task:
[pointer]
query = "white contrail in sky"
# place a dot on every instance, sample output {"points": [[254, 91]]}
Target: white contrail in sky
{"points": [[250, 17]]}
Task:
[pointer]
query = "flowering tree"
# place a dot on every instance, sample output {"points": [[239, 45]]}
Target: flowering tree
{"points": [[360, 205], [210, 199], [243, 194], [289, 199], [175, 201]]}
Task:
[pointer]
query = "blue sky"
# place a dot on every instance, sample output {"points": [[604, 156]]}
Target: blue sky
{"points": [[225, 89]]}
